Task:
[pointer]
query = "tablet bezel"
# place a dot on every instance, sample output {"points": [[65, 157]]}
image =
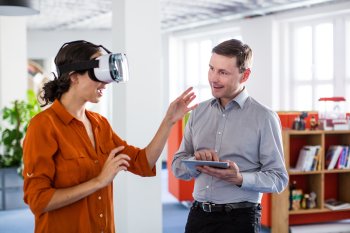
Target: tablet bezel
{"points": [[215, 164]]}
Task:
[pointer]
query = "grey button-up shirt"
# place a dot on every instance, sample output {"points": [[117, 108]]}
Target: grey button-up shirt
{"points": [[245, 132]]}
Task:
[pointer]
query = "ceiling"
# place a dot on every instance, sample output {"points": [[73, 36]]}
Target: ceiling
{"points": [[175, 14]]}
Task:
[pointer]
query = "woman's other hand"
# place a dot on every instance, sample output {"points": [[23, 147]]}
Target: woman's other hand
{"points": [[114, 164]]}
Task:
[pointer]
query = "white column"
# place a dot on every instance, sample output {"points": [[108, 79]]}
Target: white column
{"points": [[261, 84], [13, 59], [137, 110]]}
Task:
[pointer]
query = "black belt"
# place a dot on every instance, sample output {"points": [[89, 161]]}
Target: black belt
{"points": [[212, 207]]}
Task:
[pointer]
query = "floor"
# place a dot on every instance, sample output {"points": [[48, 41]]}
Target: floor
{"points": [[174, 218]]}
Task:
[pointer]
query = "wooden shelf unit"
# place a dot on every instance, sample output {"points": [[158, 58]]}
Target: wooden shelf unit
{"points": [[325, 183]]}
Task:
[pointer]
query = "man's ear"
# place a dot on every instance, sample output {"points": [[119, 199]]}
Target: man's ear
{"points": [[245, 75]]}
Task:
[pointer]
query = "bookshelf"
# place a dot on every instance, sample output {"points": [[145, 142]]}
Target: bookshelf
{"points": [[325, 183]]}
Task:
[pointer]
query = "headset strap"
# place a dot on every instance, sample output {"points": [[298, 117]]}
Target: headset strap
{"points": [[83, 65]]}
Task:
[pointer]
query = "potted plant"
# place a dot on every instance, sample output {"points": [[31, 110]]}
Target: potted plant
{"points": [[15, 119]]}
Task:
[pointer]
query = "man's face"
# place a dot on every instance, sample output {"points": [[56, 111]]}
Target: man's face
{"points": [[224, 78]]}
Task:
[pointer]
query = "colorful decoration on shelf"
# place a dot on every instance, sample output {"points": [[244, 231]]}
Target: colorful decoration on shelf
{"points": [[299, 122], [313, 123]]}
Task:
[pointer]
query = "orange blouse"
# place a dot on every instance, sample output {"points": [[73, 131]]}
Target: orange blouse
{"points": [[57, 153]]}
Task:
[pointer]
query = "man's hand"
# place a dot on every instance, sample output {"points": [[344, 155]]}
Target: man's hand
{"points": [[206, 154], [230, 174]]}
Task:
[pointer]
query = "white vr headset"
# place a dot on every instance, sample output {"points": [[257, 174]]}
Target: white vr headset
{"points": [[111, 67]]}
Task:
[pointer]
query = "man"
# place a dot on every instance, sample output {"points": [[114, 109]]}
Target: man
{"points": [[232, 127]]}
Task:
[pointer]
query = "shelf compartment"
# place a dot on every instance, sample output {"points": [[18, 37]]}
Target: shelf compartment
{"points": [[297, 141], [309, 183], [337, 186]]}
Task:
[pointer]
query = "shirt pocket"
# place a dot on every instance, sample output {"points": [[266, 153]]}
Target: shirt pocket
{"points": [[72, 168], [105, 148]]}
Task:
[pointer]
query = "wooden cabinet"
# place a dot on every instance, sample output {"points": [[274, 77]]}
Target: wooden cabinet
{"points": [[325, 183]]}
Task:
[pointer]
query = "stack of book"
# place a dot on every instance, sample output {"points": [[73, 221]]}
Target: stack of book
{"points": [[334, 204], [337, 157], [309, 158]]}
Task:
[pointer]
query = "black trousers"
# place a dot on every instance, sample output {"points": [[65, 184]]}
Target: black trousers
{"points": [[243, 220]]}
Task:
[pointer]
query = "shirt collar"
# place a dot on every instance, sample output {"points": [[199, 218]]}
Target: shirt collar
{"points": [[66, 117], [61, 112], [239, 99]]}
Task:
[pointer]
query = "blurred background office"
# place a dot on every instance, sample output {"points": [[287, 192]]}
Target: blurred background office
{"points": [[301, 53]]}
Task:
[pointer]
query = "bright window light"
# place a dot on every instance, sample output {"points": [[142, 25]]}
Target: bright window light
{"points": [[303, 53], [324, 51], [303, 97]]}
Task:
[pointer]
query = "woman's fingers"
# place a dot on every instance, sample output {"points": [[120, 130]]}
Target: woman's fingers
{"points": [[122, 161], [116, 150]]}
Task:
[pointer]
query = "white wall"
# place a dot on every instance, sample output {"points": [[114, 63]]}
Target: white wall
{"points": [[13, 59], [257, 33], [138, 111]]}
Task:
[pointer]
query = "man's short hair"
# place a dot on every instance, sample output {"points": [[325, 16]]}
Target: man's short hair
{"points": [[236, 48]]}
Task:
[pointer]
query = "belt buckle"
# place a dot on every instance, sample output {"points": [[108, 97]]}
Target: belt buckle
{"points": [[206, 206]]}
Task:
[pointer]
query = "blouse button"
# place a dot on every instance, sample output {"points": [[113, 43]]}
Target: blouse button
{"points": [[101, 215], [99, 197], [96, 161]]}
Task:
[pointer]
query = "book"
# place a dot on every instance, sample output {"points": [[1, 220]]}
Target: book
{"points": [[332, 156], [316, 164], [308, 158], [347, 162], [341, 163], [334, 204]]}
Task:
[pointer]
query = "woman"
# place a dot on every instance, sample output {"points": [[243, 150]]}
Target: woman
{"points": [[71, 155]]}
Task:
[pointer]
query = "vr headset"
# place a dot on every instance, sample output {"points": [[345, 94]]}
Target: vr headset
{"points": [[111, 67]]}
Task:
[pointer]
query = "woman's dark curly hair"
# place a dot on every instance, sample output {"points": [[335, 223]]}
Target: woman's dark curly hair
{"points": [[69, 53]]}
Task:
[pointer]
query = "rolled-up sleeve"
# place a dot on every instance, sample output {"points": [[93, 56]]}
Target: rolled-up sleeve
{"points": [[39, 147]]}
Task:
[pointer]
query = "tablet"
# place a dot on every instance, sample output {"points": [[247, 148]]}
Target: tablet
{"points": [[191, 164]]}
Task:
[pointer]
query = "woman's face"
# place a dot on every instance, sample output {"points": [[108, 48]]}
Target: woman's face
{"points": [[86, 89]]}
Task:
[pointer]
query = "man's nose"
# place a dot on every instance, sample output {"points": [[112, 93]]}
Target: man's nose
{"points": [[214, 76]]}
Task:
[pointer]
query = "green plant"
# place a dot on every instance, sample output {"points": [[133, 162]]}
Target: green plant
{"points": [[15, 120]]}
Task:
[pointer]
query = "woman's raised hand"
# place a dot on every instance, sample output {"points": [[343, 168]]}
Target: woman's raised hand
{"points": [[180, 106]]}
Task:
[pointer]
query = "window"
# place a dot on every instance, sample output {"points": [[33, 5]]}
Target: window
{"points": [[312, 75], [192, 63], [347, 62]]}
